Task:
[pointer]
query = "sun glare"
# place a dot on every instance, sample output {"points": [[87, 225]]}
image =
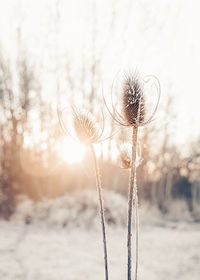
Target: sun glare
{"points": [[71, 152], [97, 148]]}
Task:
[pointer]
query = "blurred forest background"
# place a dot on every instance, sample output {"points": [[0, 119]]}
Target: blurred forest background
{"points": [[56, 52]]}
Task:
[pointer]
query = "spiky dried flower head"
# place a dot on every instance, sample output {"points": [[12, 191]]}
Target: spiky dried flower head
{"points": [[125, 155], [80, 125], [133, 100], [86, 127]]}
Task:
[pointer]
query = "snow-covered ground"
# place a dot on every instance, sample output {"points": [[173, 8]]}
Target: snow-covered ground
{"points": [[49, 251]]}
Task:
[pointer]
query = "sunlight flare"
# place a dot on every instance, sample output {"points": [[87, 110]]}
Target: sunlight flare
{"points": [[71, 152]]}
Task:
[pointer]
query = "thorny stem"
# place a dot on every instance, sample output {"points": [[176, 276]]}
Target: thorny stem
{"points": [[136, 232], [133, 196], [99, 188]]}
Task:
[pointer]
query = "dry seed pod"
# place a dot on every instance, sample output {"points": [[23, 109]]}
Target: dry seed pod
{"points": [[133, 100], [125, 155], [82, 126], [86, 126]]}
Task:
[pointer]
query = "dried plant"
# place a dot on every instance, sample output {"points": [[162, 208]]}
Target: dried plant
{"points": [[133, 100], [133, 115], [88, 132], [86, 127], [124, 158]]}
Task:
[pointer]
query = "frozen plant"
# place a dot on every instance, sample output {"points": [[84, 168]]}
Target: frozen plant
{"points": [[124, 158], [88, 132], [133, 115]]}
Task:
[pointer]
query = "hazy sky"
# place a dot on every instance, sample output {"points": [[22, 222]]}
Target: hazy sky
{"points": [[158, 37]]}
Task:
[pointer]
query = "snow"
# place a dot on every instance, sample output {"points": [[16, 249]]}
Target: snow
{"points": [[49, 249], [49, 253]]}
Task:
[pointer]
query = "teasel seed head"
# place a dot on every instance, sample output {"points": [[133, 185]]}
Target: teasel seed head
{"points": [[86, 127], [133, 100], [125, 155]]}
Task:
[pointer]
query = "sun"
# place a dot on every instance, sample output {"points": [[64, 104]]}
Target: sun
{"points": [[71, 152]]}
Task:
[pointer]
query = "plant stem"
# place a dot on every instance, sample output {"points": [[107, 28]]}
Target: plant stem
{"points": [[136, 232], [101, 209], [133, 196]]}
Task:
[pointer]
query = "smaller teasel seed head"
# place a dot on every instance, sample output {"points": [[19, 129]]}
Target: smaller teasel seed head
{"points": [[86, 127], [133, 100], [125, 155]]}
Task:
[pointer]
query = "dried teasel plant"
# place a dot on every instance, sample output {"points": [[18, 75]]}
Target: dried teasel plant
{"points": [[83, 126], [133, 115], [88, 132], [124, 157], [133, 107]]}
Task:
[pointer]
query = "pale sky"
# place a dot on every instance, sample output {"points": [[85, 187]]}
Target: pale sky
{"points": [[158, 37]]}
